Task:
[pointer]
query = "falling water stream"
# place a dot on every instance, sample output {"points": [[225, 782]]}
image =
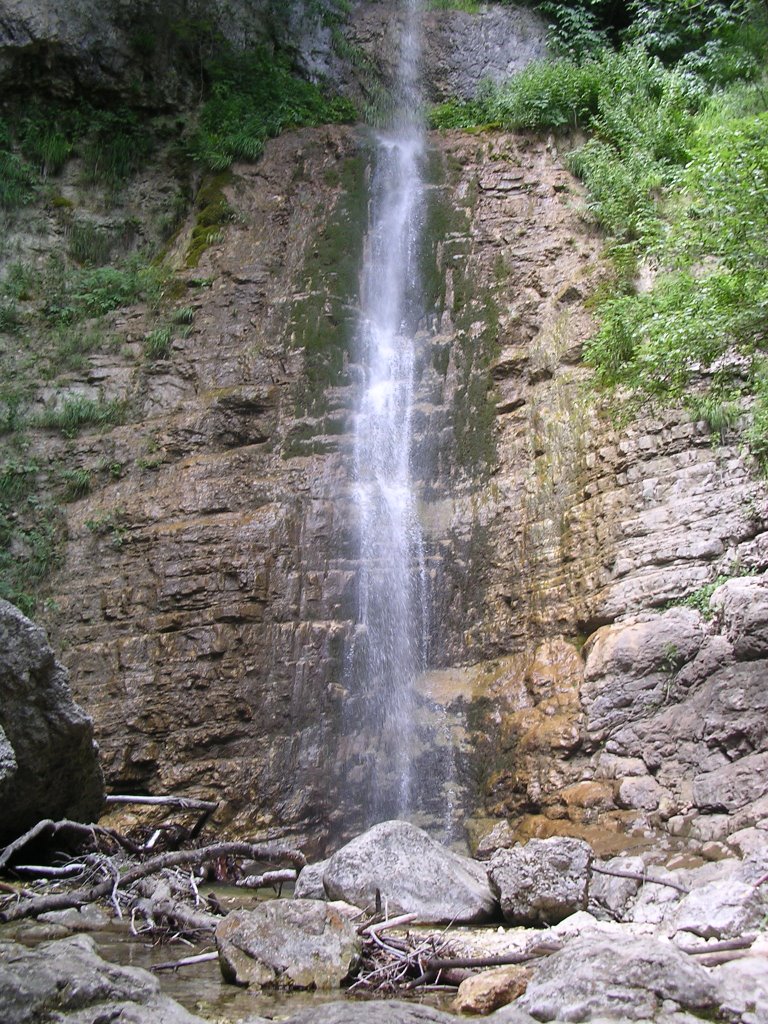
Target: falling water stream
{"points": [[389, 645]]}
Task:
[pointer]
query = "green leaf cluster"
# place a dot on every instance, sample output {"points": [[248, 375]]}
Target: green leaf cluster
{"points": [[676, 171], [253, 97]]}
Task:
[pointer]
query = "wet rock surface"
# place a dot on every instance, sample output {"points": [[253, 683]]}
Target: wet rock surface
{"points": [[389, 1012], [208, 597], [48, 759], [288, 944], [412, 873], [67, 981]]}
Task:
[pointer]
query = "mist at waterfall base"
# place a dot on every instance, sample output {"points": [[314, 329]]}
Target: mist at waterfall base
{"points": [[394, 765]]}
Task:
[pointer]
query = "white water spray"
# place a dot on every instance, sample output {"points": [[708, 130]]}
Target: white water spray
{"points": [[388, 650]]}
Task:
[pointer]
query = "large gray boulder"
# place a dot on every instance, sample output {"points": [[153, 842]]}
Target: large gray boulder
{"points": [[743, 989], [542, 882], [724, 909], [388, 1011], [48, 760], [616, 978], [67, 981], [288, 944], [413, 874]]}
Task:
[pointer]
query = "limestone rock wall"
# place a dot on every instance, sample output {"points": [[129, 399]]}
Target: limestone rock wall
{"points": [[208, 592], [206, 595]]}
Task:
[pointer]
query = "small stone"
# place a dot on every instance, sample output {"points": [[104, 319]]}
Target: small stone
{"points": [[489, 990]]}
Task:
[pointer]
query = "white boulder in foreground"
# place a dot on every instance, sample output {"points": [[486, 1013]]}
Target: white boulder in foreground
{"points": [[288, 944], [618, 978], [413, 873]]}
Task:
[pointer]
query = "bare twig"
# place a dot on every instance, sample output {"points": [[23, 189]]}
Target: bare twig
{"points": [[640, 876], [393, 922]]}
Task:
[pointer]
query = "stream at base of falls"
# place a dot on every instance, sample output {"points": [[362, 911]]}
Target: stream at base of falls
{"points": [[200, 988]]}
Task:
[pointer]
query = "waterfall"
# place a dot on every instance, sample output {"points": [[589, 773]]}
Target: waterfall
{"points": [[388, 649]]}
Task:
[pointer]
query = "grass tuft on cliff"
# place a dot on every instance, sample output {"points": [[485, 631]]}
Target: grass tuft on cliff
{"points": [[253, 97]]}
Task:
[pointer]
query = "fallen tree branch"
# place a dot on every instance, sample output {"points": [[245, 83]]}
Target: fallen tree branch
{"points": [[77, 898], [274, 878], [744, 942], [640, 876], [44, 871], [716, 959], [89, 832], [432, 968], [183, 802], [186, 961]]}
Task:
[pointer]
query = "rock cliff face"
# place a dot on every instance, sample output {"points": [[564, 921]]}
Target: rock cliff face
{"points": [[48, 761], [149, 52], [207, 592]]}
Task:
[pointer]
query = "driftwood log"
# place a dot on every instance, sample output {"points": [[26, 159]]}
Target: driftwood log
{"points": [[118, 881]]}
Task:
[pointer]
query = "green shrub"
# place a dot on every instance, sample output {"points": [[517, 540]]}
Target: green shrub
{"points": [[721, 414], [110, 524], [9, 316], [255, 96], [575, 32], [77, 483], [185, 315], [116, 145], [27, 554], [17, 481], [470, 6], [73, 295], [620, 191], [20, 283], [756, 434], [703, 34]]}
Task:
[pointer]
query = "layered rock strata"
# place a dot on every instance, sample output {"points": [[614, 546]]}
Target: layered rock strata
{"points": [[207, 592]]}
